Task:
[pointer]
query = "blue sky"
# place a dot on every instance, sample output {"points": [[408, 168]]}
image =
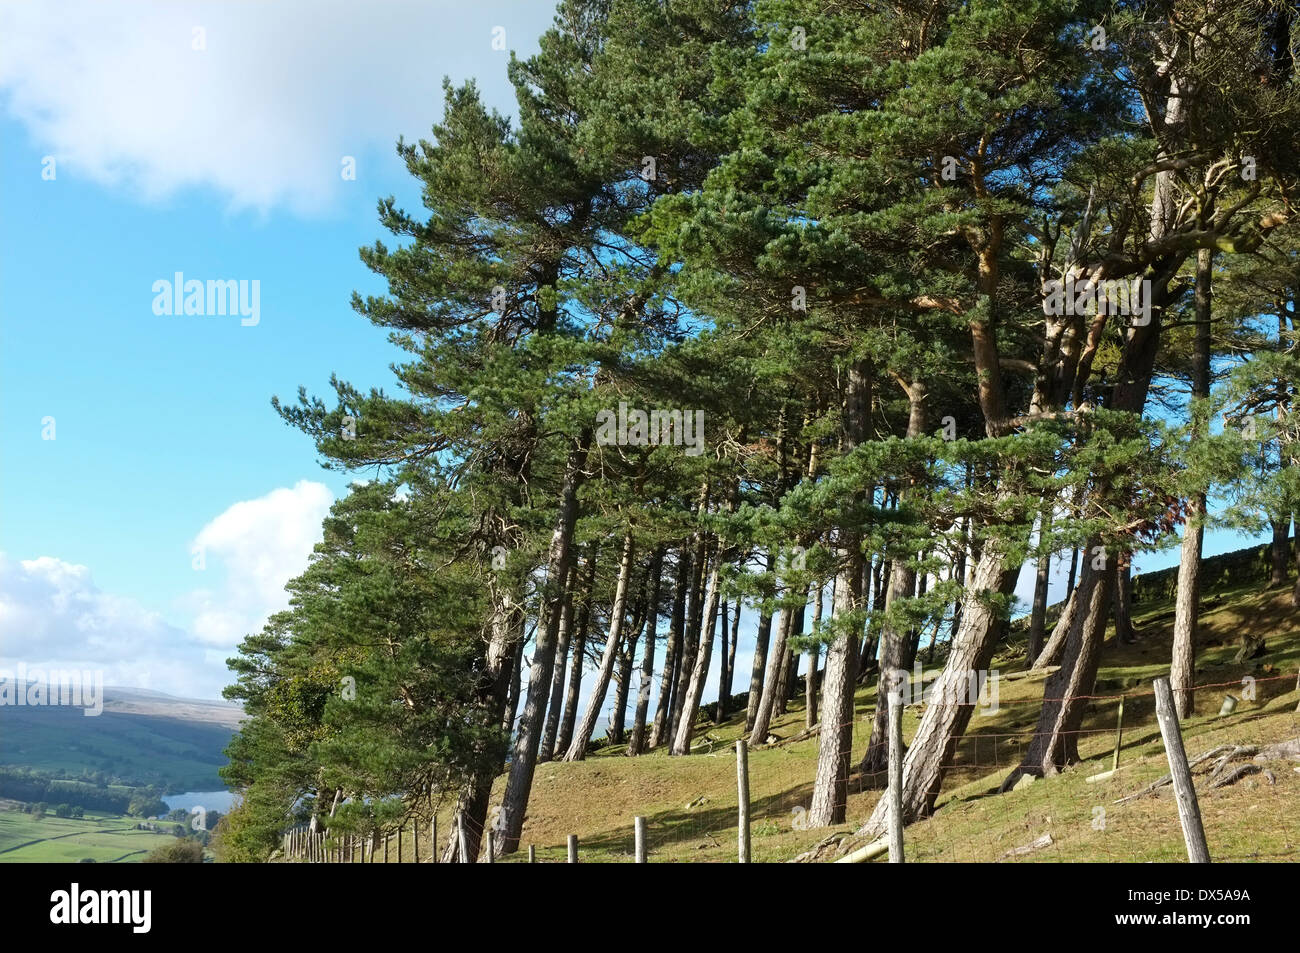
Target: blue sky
{"points": [[221, 162], [206, 139]]}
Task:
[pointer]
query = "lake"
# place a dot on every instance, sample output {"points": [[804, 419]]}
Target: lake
{"points": [[221, 801]]}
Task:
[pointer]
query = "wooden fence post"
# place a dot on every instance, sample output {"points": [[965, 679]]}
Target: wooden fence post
{"points": [[742, 800], [896, 777], [573, 848], [1119, 734], [464, 840], [399, 845], [639, 828], [433, 839], [492, 846], [415, 838], [1189, 812], [387, 837], [532, 854]]}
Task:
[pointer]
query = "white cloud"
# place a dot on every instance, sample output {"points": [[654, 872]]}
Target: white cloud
{"points": [[265, 112], [52, 615], [260, 545]]}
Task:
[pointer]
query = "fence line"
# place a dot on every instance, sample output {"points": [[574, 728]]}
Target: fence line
{"points": [[1008, 823]]}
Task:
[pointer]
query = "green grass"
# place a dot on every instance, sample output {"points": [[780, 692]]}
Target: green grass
{"points": [[106, 838], [690, 803]]}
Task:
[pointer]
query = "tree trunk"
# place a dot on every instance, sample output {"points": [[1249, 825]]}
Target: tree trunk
{"points": [[1052, 650], [914, 637], [672, 656], [767, 701], [1038, 615], [695, 610], [512, 705], [1295, 591], [835, 740], [1056, 741], [556, 707], [762, 640], [582, 736], [1124, 599], [1187, 605], [892, 673], [507, 628], [942, 725], [573, 693], [731, 654], [1279, 551], [622, 687], [523, 761], [637, 742], [695, 690], [720, 707], [894, 641], [790, 671], [810, 680], [1074, 571], [623, 678]]}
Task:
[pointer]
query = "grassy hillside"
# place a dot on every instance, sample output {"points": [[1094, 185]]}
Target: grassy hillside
{"points": [[145, 738], [690, 802]]}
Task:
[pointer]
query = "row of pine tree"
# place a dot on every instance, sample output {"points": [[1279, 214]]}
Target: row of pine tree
{"points": [[825, 243]]}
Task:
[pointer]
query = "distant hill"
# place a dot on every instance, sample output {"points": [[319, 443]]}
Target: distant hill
{"points": [[141, 738]]}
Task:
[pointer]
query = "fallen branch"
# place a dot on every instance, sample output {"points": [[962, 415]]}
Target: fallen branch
{"points": [[1236, 774], [1044, 841], [1165, 779], [875, 849], [1238, 751]]}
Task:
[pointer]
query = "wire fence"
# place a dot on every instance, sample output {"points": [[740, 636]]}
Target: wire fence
{"points": [[1107, 807]]}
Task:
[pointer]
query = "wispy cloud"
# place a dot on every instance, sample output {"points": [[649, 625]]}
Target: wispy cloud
{"points": [[259, 101]]}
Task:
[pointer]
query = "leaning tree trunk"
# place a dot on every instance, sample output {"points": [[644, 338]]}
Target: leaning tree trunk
{"points": [[512, 704], [556, 707], [672, 656], [835, 740], [762, 640], [636, 744], [1052, 650], [523, 761], [573, 693], [767, 701], [623, 679], [1038, 615], [695, 690], [944, 722], [892, 673], [720, 707], [1187, 605], [1056, 740], [790, 670], [894, 640], [691, 635], [582, 737]]}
